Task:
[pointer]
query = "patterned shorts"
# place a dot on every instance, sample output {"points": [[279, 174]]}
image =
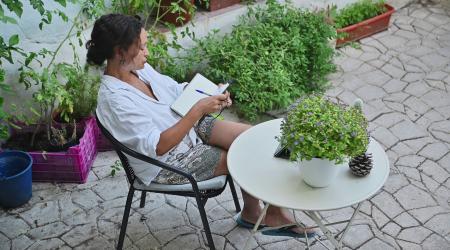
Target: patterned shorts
{"points": [[200, 160]]}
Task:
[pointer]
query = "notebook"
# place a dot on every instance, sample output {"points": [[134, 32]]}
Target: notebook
{"points": [[282, 152], [190, 95]]}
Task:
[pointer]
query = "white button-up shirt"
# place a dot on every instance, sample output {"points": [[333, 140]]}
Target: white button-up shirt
{"points": [[137, 120]]}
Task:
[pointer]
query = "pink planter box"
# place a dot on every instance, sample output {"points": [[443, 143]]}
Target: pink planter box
{"points": [[103, 144], [70, 166], [366, 28]]}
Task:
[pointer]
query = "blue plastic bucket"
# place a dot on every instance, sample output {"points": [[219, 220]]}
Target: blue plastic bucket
{"points": [[15, 178]]}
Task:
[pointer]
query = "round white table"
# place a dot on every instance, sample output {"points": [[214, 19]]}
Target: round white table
{"points": [[278, 181]]}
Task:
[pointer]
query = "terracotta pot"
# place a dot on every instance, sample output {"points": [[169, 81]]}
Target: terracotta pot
{"points": [[366, 28], [172, 17], [216, 4]]}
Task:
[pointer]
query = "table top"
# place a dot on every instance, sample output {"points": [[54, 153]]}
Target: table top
{"points": [[278, 181]]}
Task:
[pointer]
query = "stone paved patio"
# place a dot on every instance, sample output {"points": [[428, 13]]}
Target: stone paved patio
{"points": [[403, 76]]}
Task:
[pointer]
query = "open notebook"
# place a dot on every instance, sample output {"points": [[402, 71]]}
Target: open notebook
{"points": [[190, 96]]}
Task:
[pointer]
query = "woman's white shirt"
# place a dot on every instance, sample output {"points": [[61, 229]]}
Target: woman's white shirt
{"points": [[137, 120]]}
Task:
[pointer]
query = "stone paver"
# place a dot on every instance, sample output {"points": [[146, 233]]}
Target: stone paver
{"points": [[403, 77]]}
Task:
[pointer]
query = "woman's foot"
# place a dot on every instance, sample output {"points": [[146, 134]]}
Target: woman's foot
{"points": [[250, 217], [277, 217], [245, 223]]}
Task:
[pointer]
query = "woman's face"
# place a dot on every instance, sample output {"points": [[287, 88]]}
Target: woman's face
{"points": [[136, 55]]}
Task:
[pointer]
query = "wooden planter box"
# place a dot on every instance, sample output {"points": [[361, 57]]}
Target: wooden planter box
{"points": [[172, 17], [216, 4], [365, 28], [70, 166]]}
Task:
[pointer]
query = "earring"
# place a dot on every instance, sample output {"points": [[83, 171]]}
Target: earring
{"points": [[122, 61]]}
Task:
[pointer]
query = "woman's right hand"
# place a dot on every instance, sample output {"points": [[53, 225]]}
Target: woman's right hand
{"points": [[211, 104]]}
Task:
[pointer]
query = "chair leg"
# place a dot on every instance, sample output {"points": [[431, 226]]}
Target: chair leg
{"points": [[126, 214], [233, 192], [205, 222], [143, 194]]}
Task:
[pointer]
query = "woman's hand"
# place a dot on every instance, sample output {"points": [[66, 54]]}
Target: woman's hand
{"points": [[228, 101], [212, 104]]}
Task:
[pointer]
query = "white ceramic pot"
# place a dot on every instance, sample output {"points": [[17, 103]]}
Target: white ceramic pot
{"points": [[319, 172]]}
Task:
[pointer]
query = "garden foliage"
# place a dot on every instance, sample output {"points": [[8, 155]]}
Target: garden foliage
{"points": [[275, 54]]}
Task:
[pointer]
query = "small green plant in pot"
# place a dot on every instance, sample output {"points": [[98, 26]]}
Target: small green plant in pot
{"points": [[322, 135]]}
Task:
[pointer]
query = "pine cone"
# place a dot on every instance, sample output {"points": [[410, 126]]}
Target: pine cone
{"points": [[361, 165]]}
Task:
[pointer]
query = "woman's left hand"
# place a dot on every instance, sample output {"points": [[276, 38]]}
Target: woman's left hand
{"points": [[227, 102]]}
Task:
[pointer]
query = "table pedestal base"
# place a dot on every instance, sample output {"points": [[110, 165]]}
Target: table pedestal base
{"points": [[315, 216]]}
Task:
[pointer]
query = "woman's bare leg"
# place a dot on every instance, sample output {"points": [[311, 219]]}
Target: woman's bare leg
{"points": [[225, 132], [222, 135], [251, 209]]}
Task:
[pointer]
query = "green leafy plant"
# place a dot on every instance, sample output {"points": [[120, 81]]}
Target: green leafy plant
{"points": [[116, 167], [16, 7], [82, 87], [49, 93], [275, 54], [356, 12], [10, 45], [319, 128], [67, 87]]}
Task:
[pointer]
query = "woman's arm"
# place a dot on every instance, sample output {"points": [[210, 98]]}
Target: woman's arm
{"points": [[173, 135]]}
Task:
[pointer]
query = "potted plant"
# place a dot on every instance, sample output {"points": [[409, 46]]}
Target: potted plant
{"points": [[322, 136], [61, 151], [213, 5], [73, 143], [176, 12], [360, 19]]}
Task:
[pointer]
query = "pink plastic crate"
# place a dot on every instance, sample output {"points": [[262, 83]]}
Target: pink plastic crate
{"points": [[103, 144], [70, 166]]}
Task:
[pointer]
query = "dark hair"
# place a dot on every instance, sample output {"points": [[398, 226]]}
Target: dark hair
{"points": [[110, 31]]}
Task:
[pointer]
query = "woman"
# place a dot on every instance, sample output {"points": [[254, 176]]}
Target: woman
{"points": [[134, 105]]}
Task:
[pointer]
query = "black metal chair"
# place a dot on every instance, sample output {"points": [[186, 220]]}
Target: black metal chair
{"points": [[202, 191]]}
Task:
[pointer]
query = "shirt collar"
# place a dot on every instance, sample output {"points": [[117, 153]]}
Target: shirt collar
{"points": [[115, 84]]}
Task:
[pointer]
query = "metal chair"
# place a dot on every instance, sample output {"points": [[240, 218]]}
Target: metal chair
{"points": [[202, 191]]}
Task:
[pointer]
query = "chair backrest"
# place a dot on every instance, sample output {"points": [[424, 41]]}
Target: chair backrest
{"points": [[122, 150], [118, 147]]}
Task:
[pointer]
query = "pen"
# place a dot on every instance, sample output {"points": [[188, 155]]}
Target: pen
{"points": [[201, 92]]}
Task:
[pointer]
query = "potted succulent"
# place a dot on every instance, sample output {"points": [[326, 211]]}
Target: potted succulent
{"points": [[359, 20], [322, 135]]}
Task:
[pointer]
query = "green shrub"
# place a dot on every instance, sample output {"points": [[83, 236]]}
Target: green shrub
{"points": [[319, 128], [357, 12], [275, 54]]}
